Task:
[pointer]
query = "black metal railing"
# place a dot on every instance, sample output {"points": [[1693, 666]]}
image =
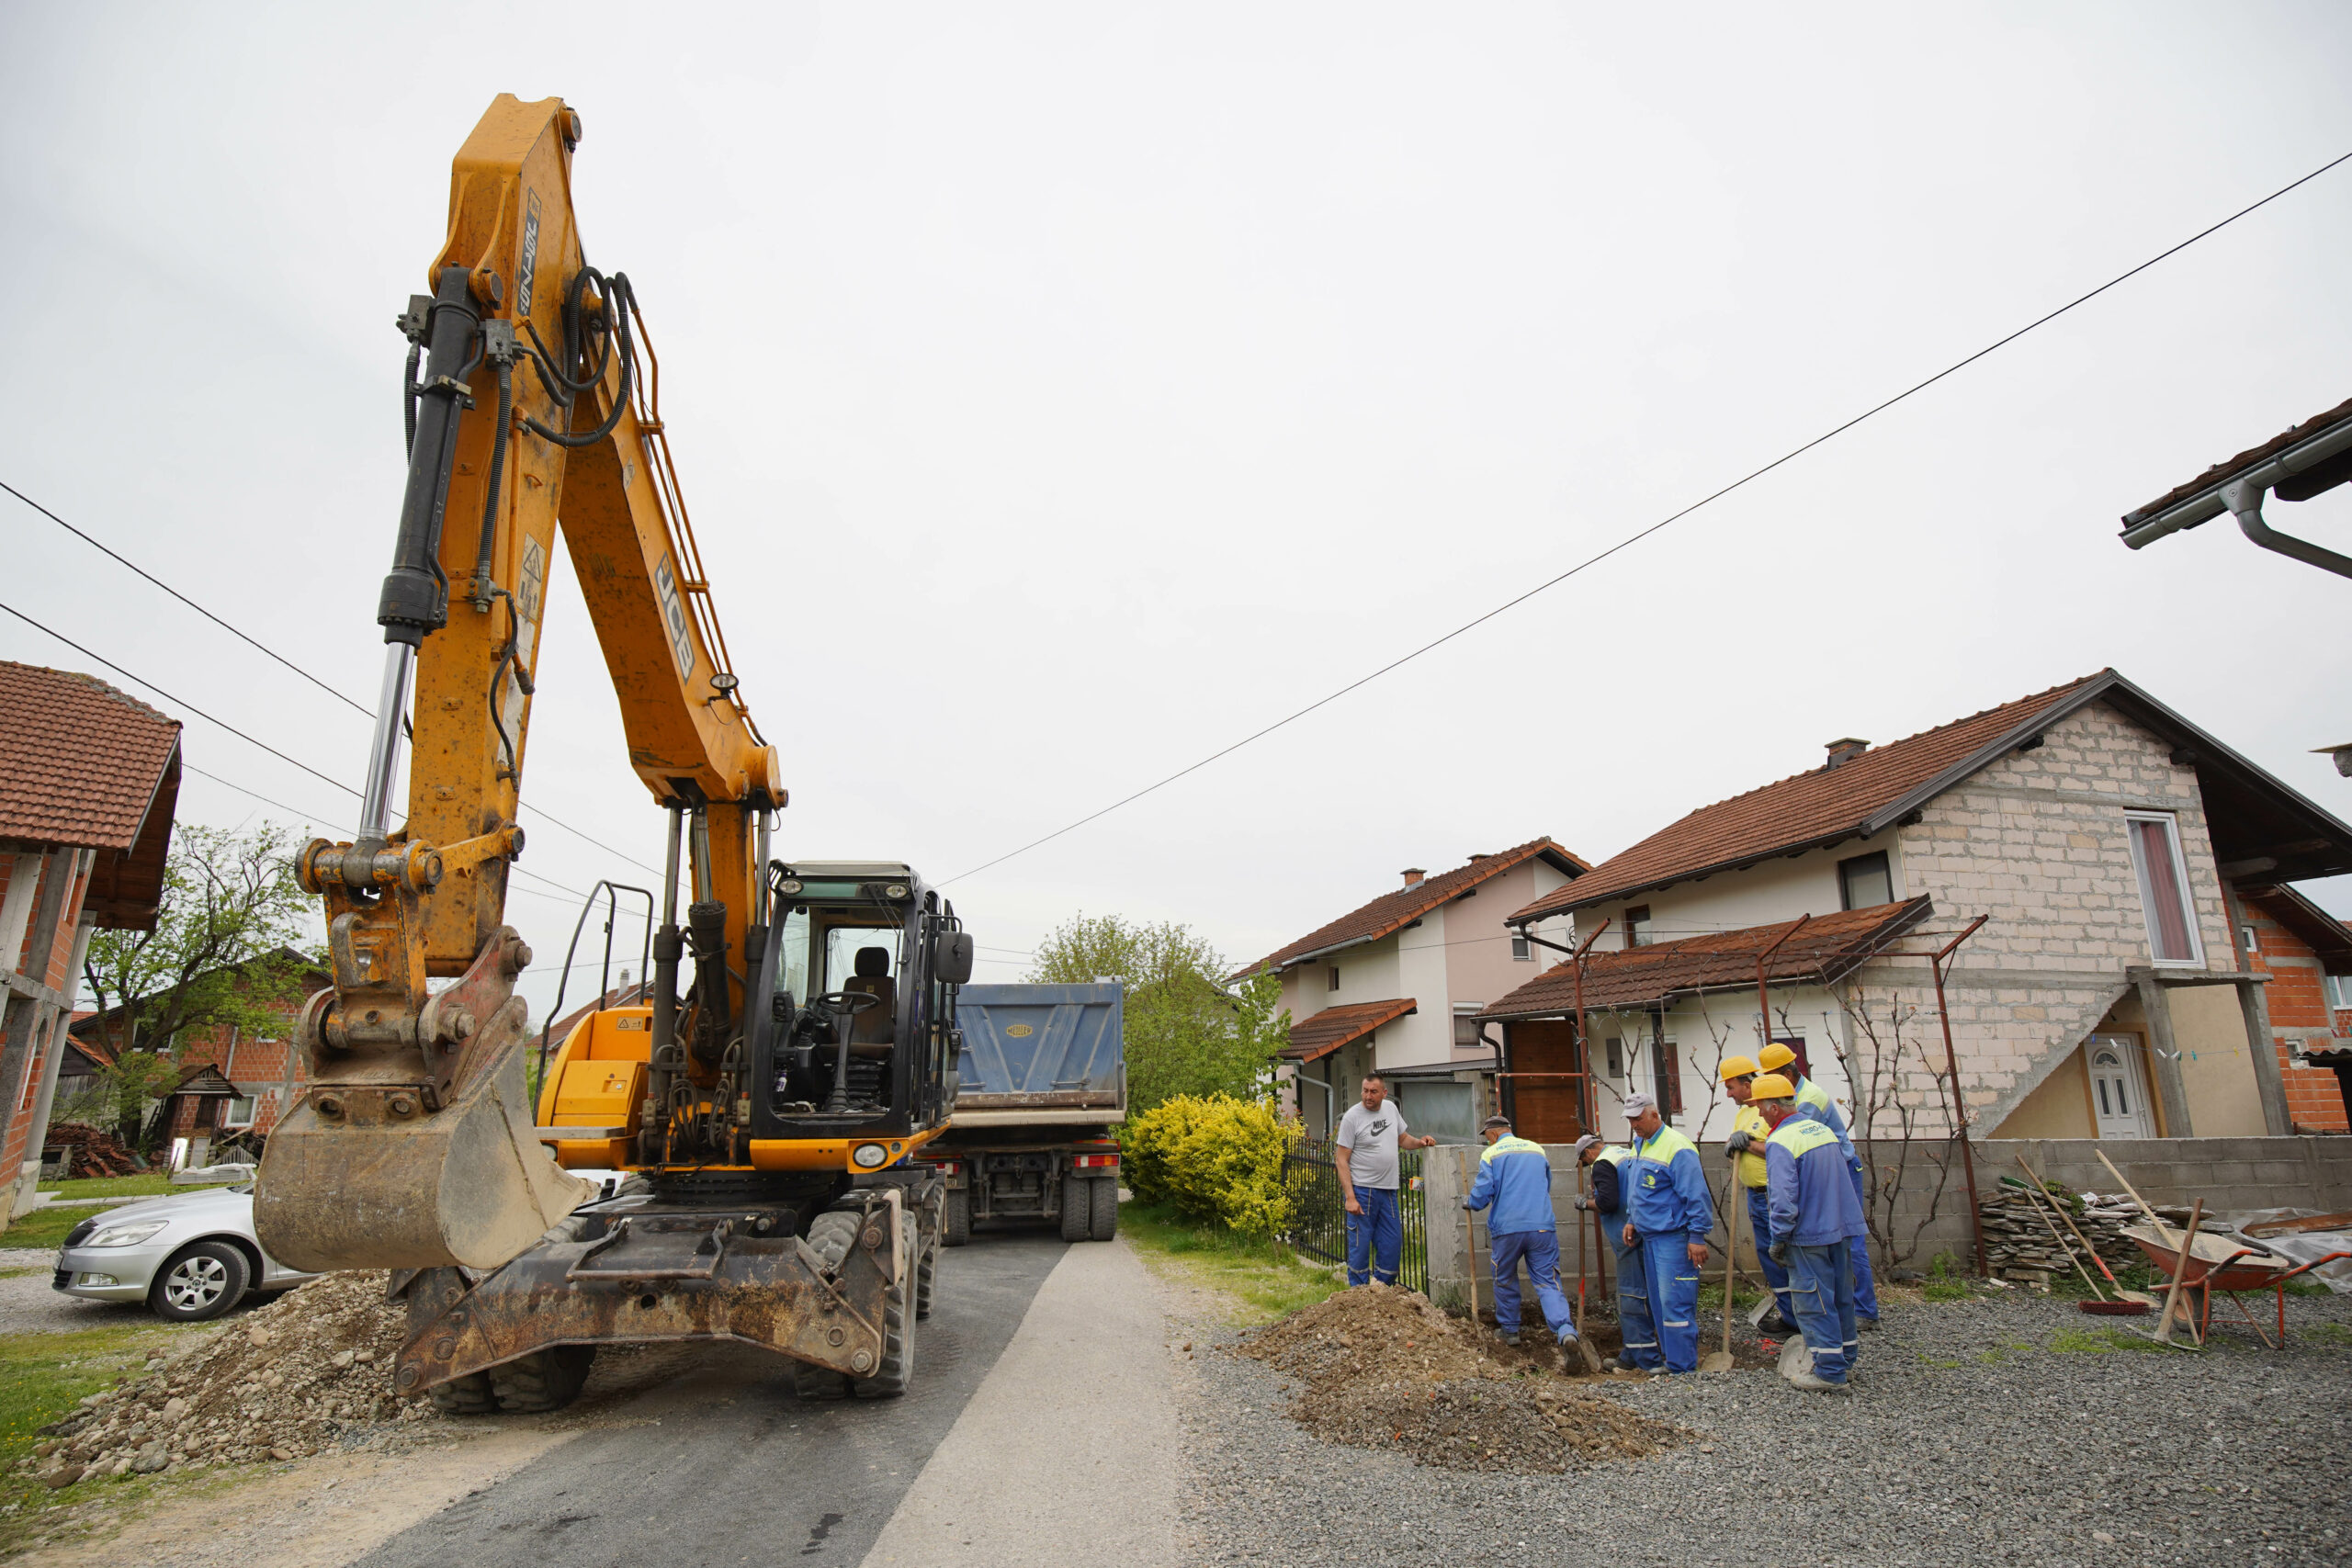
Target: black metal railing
{"points": [[1318, 1214]]}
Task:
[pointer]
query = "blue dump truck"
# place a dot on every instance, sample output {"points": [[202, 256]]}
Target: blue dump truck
{"points": [[1041, 1079]]}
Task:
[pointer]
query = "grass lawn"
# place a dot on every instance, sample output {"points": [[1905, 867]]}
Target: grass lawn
{"points": [[44, 1229], [1266, 1278], [152, 1184]]}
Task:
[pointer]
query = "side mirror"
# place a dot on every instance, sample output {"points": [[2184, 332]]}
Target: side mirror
{"points": [[950, 957]]}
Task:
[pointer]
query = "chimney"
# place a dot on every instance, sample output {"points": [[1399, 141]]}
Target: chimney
{"points": [[1844, 751], [1413, 875]]}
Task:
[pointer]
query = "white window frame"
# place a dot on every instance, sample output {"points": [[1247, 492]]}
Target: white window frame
{"points": [[1522, 951], [252, 1110], [2196, 959], [2332, 989]]}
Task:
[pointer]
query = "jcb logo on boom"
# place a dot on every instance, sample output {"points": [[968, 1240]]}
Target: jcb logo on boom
{"points": [[674, 617]]}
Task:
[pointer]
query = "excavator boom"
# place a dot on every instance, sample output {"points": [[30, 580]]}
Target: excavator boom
{"points": [[534, 401]]}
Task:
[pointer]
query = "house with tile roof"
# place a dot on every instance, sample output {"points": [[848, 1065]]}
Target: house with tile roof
{"points": [[2112, 852], [89, 778], [1395, 984]]}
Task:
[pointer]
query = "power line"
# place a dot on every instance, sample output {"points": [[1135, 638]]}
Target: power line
{"points": [[1634, 538], [232, 630], [182, 598], [176, 701]]}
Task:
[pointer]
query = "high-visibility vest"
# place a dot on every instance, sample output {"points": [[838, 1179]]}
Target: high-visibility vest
{"points": [[1801, 1135], [1750, 1121], [1613, 1153], [1812, 1097], [1510, 1143]]}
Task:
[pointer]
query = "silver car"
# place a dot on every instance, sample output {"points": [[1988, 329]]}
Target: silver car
{"points": [[188, 1256]]}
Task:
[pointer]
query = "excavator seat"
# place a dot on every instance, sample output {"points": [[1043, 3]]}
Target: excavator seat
{"points": [[875, 1026]]}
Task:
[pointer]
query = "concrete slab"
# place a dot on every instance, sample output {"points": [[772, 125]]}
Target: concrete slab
{"points": [[1066, 1452]]}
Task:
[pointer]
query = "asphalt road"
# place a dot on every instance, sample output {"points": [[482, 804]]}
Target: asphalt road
{"points": [[722, 1465]]}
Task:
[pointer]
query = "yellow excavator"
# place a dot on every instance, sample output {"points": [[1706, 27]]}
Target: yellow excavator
{"points": [[763, 1118]]}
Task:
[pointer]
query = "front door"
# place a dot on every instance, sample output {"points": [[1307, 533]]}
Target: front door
{"points": [[2119, 1093]]}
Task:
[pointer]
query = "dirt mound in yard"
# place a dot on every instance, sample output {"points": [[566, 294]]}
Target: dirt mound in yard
{"points": [[311, 1370], [1378, 1368]]}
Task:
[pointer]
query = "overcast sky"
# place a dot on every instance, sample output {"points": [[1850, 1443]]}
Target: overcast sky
{"points": [[1064, 392]]}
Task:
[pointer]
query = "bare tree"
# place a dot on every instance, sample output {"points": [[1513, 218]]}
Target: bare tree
{"points": [[1902, 1123]]}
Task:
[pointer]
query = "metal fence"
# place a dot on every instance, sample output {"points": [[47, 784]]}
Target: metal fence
{"points": [[1318, 1214]]}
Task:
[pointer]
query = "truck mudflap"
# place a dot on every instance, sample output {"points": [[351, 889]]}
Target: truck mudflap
{"points": [[668, 1276]]}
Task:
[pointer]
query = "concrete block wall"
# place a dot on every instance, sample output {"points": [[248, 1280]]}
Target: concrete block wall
{"points": [[2037, 840]]}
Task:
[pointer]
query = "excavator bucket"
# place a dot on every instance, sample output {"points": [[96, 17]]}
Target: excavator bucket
{"points": [[349, 1181]]}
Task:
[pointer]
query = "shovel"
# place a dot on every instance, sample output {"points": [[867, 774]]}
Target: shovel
{"points": [[2127, 1303], [1720, 1360]]}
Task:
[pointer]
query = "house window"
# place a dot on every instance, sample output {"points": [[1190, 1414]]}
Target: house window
{"points": [[1335, 978], [1637, 925], [2245, 934], [1465, 1026], [2164, 886], [2337, 989], [1521, 948], [238, 1112], [1669, 1077], [1616, 1056], [1865, 881]]}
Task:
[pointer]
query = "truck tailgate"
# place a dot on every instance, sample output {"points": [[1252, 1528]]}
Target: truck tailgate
{"points": [[1041, 1048]]}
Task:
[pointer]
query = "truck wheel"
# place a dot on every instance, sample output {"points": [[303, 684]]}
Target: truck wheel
{"points": [[1077, 1209], [958, 1231], [1106, 1207], [896, 1372], [543, 1379]]}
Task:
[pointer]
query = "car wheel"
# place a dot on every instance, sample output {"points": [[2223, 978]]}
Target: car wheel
{"points": [[200, 1282]]}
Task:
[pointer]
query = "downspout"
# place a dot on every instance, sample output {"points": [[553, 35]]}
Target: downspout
{"points": [[2244, 498]]}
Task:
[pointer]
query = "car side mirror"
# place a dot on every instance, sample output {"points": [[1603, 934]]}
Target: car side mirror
{"points": [[950, 957]]}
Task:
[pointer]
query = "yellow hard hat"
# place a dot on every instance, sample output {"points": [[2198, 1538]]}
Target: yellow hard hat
{"points": [[1736, 1067], [1773, 1086], [1775, 1056]]}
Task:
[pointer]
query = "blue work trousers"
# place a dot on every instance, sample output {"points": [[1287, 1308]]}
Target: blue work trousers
{"points": [[1673, 1281], [1375, 1237], [1820, 1278], [1541, 1251], [1759, 1225], [1633, 1320], [1865, 1289]]}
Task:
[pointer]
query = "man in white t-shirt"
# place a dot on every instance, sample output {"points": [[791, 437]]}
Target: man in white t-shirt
{"points": [[1366, 1153]]}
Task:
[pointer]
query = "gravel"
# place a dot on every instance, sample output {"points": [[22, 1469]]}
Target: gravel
{"points": [[1987, 1431]]}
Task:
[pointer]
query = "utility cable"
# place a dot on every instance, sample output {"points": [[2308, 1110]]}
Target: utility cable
{"points": [[356, 706], [1668, 521], [182, 598]]}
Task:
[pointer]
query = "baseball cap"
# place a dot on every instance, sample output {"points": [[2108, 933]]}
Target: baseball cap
{"points": [[1586, 1141], [1638, 1103]]}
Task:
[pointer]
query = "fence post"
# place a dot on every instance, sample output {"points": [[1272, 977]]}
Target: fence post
{"points": [[1445, 1182]]}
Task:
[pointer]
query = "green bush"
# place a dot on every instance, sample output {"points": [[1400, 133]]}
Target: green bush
{"points": [[1212, 1158]]}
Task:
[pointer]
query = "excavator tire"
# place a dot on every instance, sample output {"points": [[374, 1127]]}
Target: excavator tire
{"points": [[831, 1235], [1077, 1209], [896, 1372], [1106, 1208], [467, 1395], [926, 1274], [958, 1230], [543, 1379]]}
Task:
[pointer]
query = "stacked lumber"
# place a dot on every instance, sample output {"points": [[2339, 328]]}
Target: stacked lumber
{"points": [[90, 1151], [2018, 1244]]}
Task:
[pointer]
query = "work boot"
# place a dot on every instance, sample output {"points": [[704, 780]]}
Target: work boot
{"points": [[1809, 1378], [1510, 1337], [1775, 1326], [1867, 1324]]}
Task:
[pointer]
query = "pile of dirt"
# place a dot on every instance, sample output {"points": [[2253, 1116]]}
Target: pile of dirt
{"points": [[309, 1371], [1378, 1368]]}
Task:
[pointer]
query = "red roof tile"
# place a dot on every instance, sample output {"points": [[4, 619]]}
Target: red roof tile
{"points": [[80, 762], [1334, 1027], [1394, 911], [2245, 459], [1815, 807], [1824, 950]]}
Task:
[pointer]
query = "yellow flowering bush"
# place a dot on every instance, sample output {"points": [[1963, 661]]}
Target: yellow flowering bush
{"points": [[1213, 1157]]}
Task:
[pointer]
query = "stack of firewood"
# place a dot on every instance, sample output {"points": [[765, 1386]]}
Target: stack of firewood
{"points": [[2019, 1248]]}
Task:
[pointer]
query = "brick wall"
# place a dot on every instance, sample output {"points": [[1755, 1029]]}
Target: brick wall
{"points": [[2299, 1019], [2037, 840]]}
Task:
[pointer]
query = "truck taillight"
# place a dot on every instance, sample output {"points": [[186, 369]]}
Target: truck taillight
{"points": [[1096, 1162]]}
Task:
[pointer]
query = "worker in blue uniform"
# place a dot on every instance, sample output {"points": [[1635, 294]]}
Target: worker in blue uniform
{"points": [[1813, 1101], [1515, 1181], [1669, 1212], [1637, 1330], [1817, 1221], [1746, 1148]]}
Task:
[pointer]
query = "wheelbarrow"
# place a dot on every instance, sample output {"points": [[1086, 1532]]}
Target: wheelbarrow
{"points": [[2231, 1266]]}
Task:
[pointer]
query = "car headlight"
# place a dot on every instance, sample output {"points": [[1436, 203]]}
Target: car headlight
{"points": [[865, 1156], [126, 1236]]}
